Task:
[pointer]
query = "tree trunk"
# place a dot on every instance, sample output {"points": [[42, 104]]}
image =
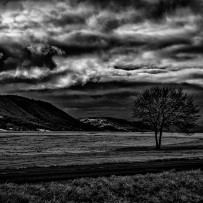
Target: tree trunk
{"points": [[160, 137], [156, 138]]}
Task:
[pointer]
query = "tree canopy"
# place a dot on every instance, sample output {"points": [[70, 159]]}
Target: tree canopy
{"points": [[166, 109]]}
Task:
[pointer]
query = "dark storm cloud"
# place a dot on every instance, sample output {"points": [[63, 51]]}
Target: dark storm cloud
{"points": [[168, 42], [15, 55], [97, 55], [11, 55], [160, 8], [79, 43], [194, 49], [65, 19], [94, 37], [104, 99], [13, 5]]}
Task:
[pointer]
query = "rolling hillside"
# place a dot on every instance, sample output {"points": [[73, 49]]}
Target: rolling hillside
{"points": [[19, 113]]}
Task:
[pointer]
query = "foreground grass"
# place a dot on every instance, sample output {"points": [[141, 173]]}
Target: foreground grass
{"points": [[164, 187]]}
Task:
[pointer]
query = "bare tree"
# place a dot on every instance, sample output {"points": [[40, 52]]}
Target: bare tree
{"points": [[166, 109]]}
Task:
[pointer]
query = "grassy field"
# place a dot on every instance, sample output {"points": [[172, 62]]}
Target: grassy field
{"points": [[19, 150], [167, 187]]}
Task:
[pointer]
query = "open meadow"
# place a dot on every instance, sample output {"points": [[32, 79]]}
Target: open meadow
{"points": [[29, 158], [31, 149]]}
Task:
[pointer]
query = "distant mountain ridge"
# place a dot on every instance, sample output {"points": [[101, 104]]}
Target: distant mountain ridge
{"points": [[20, 113], [114, 124]]}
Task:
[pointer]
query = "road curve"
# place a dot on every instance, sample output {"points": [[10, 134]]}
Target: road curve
{"points": [[42, 174]]}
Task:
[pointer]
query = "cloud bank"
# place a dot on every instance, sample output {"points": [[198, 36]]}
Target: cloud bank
{"points": [[59, 45]]}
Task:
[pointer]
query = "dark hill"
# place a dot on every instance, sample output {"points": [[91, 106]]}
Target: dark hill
{"points": [[19, 113]]}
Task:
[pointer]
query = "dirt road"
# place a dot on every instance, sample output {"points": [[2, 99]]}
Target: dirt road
{"points": [[40, 174]]}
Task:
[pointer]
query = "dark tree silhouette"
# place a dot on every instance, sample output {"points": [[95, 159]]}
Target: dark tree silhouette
{"points": [[166, 109]]}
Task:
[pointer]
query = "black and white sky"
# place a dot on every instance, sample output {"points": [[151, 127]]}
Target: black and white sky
{"points": [[92, 57]]}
